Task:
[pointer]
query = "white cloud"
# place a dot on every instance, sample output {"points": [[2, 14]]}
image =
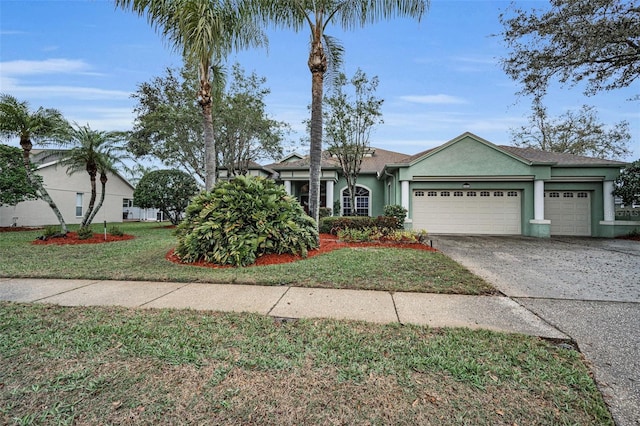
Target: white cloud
{"points": [[48, 66], [439, 99]]}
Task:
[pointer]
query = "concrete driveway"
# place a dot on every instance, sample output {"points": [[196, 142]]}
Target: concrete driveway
{"points": [[588, 288]]}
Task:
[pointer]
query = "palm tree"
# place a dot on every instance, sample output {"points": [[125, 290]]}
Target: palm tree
{"points": [[92, 151], [317, 15], [42, 126], [206, 31]]}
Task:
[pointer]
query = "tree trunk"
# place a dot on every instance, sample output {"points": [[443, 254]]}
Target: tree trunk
{"points": [[103, 182], [210, 154], [44, 195], [318, 66], [92, 201]]}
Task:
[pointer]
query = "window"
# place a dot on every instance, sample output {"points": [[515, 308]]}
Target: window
{"points": [[583, 195], [471, 193], [512, 194], [362, 199], [419, 193], [432, 193], [498, 194], [79, 204], [554, 195], [457, 193], [445, 194], [568, 195], [485, 193], [127, 202]]}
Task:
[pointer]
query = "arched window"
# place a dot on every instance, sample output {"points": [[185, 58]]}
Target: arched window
{"points": [[363, 202]]}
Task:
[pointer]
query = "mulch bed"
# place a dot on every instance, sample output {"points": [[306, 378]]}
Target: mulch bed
{"points": [[72, 238], [327, 243]]}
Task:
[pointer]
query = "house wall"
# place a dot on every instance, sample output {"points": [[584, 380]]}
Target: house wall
{"points": [[63, 188]]}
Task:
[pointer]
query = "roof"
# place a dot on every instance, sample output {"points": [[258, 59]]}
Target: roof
{"points": [[373, 163], [561, 159]]}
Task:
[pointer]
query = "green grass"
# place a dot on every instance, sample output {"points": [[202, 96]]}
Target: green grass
{"points": [[61, 365], [143, 258]]}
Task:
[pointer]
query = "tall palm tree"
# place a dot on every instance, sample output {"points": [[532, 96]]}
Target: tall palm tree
{"points": [[317, 15], [92, 151], [205, 31], [42, 126]]}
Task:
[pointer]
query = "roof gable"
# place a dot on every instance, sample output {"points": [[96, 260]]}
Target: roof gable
{"points": [[468, 155]]}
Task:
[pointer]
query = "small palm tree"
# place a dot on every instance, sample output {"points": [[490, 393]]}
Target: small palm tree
{"points": [[92, 151], [317, 15], [42, 126], [205, 31]]}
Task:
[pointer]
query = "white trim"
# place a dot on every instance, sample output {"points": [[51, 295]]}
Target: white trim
{"points": [[346, 188]]}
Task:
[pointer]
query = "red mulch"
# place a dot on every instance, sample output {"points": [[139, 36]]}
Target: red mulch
{"points": [[72, 238], [327, 243]]}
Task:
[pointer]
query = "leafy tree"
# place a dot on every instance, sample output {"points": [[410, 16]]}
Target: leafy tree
{"points": [[167, 190], [43, 125], [243, 219], [349, 122], [596, 41], [577, 133], [317, 15], [627, 185], [91, 151], [168, 124], [205, 31], [244, 131], [14, 184]]}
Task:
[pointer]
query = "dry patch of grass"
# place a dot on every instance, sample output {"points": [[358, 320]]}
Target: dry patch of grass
{"points": [[121, 366]]}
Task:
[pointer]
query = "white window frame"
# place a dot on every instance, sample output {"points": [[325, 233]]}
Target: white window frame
{"points": [[79, 200], [345, 201]]}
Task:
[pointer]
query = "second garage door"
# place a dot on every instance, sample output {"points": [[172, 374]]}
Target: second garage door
{"points": [[569, 212], [467, 212]]}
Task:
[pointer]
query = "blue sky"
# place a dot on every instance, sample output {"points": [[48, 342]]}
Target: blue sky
{"points": [[439, 78]]}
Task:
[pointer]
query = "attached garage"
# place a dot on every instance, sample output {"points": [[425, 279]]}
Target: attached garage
{"points": [[496, 212], [569, 212]]}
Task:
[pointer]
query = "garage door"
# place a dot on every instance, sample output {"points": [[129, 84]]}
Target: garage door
{"points": [[467, 212], [569, 212]]}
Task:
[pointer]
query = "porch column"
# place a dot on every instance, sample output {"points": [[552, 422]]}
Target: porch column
{"points": [[404, 195], [287, 186], [609, 201], [538, 200], [329, 195]]}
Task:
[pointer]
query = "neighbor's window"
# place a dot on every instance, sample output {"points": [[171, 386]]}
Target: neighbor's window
{"points": [[79, 204], [362, 202]]}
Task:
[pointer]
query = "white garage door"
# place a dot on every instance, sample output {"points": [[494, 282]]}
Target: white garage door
{"points": [[569, 212], [467, 212]]}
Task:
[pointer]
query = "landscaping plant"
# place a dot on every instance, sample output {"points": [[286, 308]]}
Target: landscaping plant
{"points": [[241, 220]]}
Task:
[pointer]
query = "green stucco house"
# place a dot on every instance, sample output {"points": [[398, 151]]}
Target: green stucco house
{"points": [[471, 186]]}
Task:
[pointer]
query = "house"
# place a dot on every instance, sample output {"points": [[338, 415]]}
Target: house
{"points": [[71, 193], [471, 186]]}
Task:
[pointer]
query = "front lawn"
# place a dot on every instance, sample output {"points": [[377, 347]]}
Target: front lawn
{"points": [[143, 258], [61, 365]]}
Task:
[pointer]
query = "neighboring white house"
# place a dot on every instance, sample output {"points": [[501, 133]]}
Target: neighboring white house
{"points": [[71, 193]]}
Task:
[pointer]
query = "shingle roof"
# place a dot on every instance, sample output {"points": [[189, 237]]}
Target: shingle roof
{"points": [[563, 159], [370, 164]]}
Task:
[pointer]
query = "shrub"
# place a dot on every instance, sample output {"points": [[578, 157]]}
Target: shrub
{"points": [[324, 212], [50, 231], [115, 231], [397, 211], [381, 224], [85, 232], [242, 219], [359, 235]]}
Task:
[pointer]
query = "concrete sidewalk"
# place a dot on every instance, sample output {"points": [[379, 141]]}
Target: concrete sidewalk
{"points": [[434, 310]]}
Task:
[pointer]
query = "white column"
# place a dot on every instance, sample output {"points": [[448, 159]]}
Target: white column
{"points": [[609, 201], [538, 200], [329, 194], [287, 186], [404, 195]]}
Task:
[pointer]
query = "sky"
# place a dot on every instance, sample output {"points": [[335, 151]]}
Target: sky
{"points": [[439, 77]]}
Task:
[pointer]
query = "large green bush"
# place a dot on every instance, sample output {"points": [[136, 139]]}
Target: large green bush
{"points": [[241, 220]]}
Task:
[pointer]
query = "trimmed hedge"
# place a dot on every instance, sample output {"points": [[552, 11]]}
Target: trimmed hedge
{"points": [[333, 225]]}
